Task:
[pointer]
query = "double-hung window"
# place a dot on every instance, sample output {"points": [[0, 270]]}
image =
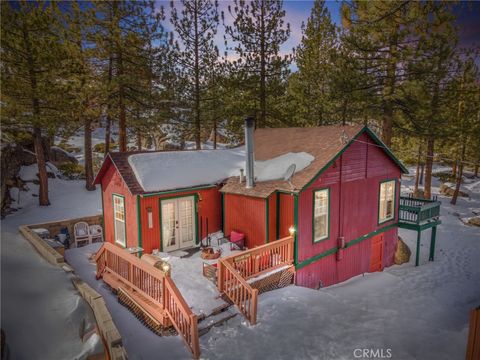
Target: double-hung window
{"points": [[119, 219], [386, 209], [321, 216]]}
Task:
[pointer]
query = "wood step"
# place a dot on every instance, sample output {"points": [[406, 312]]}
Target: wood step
{"points": [[216, 320]]}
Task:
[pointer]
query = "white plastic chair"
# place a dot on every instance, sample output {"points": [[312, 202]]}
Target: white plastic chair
{"points": [[96, 233], [81, 234]]}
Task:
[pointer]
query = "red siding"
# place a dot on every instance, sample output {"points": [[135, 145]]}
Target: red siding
{"points": [[247, 215], [272, 217], [285, 214], [112, 183], [209, 207], [353, 181]]}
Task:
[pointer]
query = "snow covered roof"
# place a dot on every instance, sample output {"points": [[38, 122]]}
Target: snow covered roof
{"points": [[160, 171], [312, 150]]}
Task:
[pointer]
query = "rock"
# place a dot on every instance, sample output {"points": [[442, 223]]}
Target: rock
{"points": [[60, 156], [403, 252], [448, 189], [475, 221]]}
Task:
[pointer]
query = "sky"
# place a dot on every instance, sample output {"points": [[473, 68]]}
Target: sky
{"points": [[298, 11]]}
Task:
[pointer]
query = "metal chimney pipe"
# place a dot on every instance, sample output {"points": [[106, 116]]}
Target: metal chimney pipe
{"points": [[250, 159]]}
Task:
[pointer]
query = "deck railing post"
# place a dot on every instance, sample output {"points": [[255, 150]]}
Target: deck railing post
{"points": [[194, 336], [417, 256], [432, 243], [253, 313], [220, 276]]}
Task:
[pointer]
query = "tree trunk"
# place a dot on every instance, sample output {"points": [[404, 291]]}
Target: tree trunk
{"points": [[122, 120], [215, 133], [42, 168], [198, 128], [454, 168], [422, 172], [459, 174], [108, 125], [417, 173], [387, 123], [88, 155], [263, 71], [139, 140], [37, 132], [428, 167], [476, 169]]}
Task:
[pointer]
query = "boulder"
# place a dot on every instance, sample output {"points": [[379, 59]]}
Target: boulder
{"points": [[448, 189], [475, 221], [60, 156], [403, 252]]}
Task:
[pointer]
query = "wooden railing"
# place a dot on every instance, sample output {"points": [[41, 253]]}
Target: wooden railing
{"points": [[418, 211], [473, 343], [154, 285], [264, 258], [234, 271], [232, 284]]}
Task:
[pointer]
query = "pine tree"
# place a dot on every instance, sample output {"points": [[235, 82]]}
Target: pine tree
{"points": [[257, 33], [196, 26], [381, 35], [32, 85]]}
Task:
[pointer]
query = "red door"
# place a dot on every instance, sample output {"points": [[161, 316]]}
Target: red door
{"points": [[376, 254]]}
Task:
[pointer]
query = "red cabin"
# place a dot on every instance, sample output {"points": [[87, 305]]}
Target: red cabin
{"points": [[341, 203]]}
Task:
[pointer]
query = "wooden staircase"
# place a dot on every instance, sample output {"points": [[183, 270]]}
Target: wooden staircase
{"points": [[149, 293]]}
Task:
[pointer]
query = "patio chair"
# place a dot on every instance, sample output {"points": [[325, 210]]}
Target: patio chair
{"points": [[81, 234], [96, 233], [237, 240]]}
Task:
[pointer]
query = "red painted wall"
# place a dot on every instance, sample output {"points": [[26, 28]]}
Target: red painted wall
{"points": [[209, 207], [285, 214], [112, 183], [247, 215], [354, 181], [272, 217]]}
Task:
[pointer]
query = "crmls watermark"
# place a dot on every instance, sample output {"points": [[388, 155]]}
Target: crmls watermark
{"points": [[372, 353]]}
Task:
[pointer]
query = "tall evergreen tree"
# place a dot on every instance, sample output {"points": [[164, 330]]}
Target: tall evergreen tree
{"points": [[196, 26], [257, 32], [32, 78]]}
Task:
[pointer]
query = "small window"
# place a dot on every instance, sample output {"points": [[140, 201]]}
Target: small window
{"points": [[386, 209], [321, 214], [119, 219]]}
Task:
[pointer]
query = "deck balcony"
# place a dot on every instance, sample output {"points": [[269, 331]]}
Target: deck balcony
{"points": [[418, 214]]}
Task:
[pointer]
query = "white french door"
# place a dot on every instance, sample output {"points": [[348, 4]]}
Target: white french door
{"points": [[178, 223]]}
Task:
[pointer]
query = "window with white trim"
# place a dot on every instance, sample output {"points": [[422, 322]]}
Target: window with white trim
{"points": [[321, 214], [386, 210], [119, 219]]}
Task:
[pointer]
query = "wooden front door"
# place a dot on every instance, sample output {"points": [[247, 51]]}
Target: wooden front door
{"points": [[178, 223], [376, 256]]}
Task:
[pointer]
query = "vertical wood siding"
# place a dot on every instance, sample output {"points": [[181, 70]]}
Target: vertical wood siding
{"points": [[354, 181], [209, 207], [247, 215], [272, 217], [285, 214], [112, 183]]}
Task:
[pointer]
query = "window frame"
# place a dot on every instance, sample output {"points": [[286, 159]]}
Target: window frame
{"points": [[327, 236], [387, 219], [115, 220]]}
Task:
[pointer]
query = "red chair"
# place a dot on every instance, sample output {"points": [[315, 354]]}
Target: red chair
{"points": [[237, 239]]}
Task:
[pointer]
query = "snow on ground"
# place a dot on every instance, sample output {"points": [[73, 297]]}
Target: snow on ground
{"points": [[78, 141], [41, 312], [417, 312], [159, 171]]}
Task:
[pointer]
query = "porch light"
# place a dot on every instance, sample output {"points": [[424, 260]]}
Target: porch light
{"points": [[166, 268], [291, 230], [150, 217]]}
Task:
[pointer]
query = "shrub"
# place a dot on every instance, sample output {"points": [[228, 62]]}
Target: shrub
{"points": [[72, 171]]}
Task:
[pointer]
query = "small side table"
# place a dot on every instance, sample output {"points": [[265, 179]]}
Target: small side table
{"points": [[135, 251]]}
